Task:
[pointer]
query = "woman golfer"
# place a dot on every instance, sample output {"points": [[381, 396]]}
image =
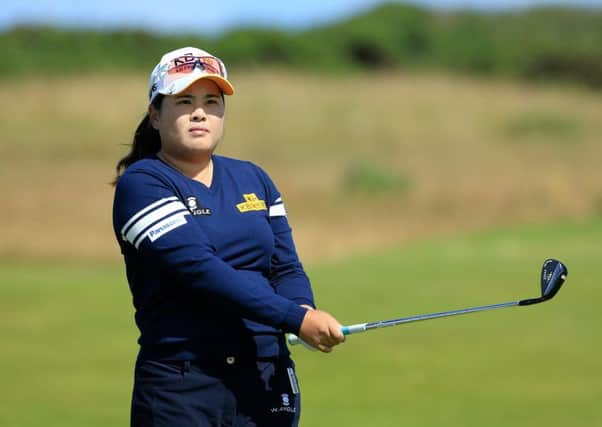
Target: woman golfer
{"points": [[211, 264]]}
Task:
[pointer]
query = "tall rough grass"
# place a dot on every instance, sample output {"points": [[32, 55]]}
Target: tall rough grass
{"points": [[454, 154]]}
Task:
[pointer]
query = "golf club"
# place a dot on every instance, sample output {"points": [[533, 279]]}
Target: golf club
{"points": [[553, 275]]}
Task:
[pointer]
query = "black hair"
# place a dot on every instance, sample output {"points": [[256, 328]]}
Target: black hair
{"points": [[145, 143]]}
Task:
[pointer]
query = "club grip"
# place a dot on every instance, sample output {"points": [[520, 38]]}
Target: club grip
{"points": [[293, 339]]}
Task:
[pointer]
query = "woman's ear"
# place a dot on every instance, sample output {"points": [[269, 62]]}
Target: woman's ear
{"points": [[153, 116]]}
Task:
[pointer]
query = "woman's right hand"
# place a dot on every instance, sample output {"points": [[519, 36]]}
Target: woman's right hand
{"points": [[321, 330]]}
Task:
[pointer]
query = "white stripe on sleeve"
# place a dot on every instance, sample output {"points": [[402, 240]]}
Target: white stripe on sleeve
{"points": [[145, 221], [143, 211], [277, 210]]}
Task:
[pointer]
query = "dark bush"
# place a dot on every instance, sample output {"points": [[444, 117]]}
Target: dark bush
{"points": [[557, 66]]}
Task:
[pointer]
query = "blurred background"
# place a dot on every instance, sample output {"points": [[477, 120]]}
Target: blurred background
{"points": [[431, 155]]}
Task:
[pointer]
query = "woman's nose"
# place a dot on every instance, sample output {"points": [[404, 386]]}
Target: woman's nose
{"points": [[198, 115]]}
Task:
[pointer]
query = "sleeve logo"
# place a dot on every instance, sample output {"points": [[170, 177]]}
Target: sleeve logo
{"points": [[165, 226], [251, 203]]}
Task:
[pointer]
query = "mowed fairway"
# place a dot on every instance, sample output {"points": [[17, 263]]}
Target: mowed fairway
{"points": [[68, 340]]}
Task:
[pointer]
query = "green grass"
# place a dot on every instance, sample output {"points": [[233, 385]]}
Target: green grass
{"points": [[371, 179], [551, 126], [69, 340], [518, 367]]}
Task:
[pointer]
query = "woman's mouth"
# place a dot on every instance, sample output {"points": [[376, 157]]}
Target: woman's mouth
{"points": [[198, 130]]}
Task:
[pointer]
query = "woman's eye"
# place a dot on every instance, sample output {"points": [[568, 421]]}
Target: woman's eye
{"points": [[183, 101]]}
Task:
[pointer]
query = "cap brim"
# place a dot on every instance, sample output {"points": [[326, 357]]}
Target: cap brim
{"points": [[222, 83], [182, 84]]}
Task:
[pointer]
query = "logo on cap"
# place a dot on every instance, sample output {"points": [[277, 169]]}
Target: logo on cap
{"points": [[153, 89]]}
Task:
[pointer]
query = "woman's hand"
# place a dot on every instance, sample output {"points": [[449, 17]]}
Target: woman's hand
{"points": [[321, 330]]}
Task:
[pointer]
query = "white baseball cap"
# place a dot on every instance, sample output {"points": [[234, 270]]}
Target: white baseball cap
{"points": [[180, 68]]}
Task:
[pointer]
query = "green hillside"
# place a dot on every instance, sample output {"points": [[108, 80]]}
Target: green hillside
{"points": [[69, 340], [532, 44]]}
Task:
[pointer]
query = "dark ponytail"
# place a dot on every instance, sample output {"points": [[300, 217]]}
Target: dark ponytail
{"points": [[146, 142]]}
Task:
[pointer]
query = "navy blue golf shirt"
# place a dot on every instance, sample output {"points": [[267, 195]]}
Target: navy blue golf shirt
{"points": [[213, 270]]}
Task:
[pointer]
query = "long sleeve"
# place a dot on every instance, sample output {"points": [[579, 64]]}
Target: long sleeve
{"points": [[287, 274]]}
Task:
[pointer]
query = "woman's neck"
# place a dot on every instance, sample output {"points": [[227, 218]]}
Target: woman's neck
{"points": [[199, 170]]}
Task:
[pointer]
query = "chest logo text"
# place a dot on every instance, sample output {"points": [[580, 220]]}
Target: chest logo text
{"points": [[251, 203]]}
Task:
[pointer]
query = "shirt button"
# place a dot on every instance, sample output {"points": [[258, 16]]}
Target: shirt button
{"points": [[230, 360]]}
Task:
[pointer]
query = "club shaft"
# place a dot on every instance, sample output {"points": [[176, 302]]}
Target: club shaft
{"points": [[363, 327], [420, 317]]}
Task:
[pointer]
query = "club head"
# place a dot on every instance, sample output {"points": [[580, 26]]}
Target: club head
{"points": [[553, 275]]}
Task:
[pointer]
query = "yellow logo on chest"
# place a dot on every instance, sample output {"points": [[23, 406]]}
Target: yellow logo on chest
{"points": [[251, 203]]}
